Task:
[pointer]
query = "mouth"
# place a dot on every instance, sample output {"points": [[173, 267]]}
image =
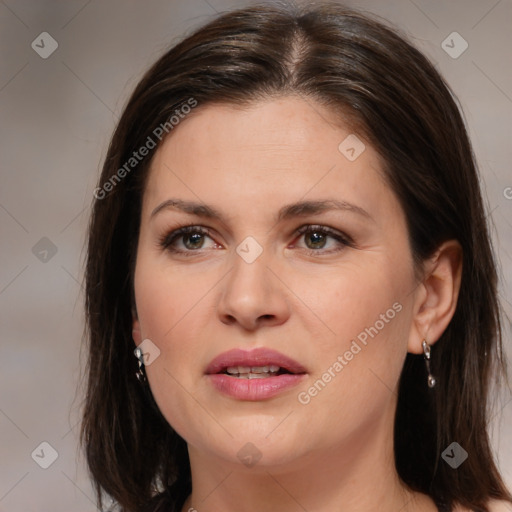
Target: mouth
{"points": [[254, 375], [258, 363], [255, 372]]}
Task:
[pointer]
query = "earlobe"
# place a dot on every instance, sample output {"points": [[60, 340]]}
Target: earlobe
{"points": [[437, 296]]}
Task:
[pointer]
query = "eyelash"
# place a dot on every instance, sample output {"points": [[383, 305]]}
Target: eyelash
{"points": [[167, 240]]}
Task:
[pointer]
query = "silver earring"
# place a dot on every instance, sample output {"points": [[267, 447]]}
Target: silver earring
{"points": [[426, 352], [140, 372]]}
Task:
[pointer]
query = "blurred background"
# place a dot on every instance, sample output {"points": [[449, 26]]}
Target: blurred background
{"points": [[66, 70]]}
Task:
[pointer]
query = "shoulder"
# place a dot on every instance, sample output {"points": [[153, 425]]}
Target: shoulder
{"points": [[493, 505], [500, 506]]}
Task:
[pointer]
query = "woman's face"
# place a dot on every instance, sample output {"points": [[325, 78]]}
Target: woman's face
{"points": [[246, 292]]}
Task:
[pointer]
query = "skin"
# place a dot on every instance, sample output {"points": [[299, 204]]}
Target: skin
{"points": [[304, 300]]}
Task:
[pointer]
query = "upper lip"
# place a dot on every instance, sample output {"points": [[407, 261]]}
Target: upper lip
{"points": [[255, 357]]}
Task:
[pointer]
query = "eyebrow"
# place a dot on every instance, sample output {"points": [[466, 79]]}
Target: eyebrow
{"points": [[298, 209]]}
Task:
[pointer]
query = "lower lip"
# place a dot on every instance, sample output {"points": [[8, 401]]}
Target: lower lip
{"points": [[254, 389]]}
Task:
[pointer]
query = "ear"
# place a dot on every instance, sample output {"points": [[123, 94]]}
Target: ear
{"points": [[436, 296], [137, 337]]}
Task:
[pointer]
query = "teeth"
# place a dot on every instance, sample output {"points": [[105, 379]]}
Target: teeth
{"points": [[254, 372], [259, 369], [258, 375]]}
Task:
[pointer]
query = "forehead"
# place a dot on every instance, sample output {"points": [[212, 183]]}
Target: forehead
{"points": [[283, 124], [263, 152]]}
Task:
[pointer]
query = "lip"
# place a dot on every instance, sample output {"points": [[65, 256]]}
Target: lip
{"points": [[254, 389], [256, 357]]}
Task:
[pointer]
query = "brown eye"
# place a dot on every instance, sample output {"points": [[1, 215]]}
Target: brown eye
{"points": [[322, 240], [193, 241], [186, 239], [318, 239]]}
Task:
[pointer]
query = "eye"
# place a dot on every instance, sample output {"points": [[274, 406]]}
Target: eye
{"points": [[187, 240], [317, 239], [191, 238]]}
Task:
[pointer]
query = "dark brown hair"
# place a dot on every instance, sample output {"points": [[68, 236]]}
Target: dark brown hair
{"points": [[390, 92]]}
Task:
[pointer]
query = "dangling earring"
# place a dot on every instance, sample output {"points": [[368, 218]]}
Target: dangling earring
{"points": [[426, 352], [140, 372]]}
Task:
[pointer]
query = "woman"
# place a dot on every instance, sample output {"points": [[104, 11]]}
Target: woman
{"points": [[288, 234]]}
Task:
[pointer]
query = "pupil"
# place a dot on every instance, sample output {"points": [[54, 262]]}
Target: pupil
{"points": [[195, 239], [317, 239]]}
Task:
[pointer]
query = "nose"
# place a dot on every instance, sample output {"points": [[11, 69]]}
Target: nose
{"points": [[252, 296]]}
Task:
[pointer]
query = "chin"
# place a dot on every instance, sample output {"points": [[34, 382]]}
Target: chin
{"points": [[254, 445]]}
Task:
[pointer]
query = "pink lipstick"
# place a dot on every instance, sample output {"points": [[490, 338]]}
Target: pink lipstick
{"points": [[253, 375]]}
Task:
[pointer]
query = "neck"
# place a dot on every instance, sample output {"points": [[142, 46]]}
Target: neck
{"points": [[359, 475]]}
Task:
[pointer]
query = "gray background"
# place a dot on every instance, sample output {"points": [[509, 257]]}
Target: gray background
{"points": [[56, 118]]}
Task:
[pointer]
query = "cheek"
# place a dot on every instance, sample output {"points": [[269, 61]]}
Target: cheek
{"points": [[349, 301], [167, 297], [170, 309], [367, 311]]}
